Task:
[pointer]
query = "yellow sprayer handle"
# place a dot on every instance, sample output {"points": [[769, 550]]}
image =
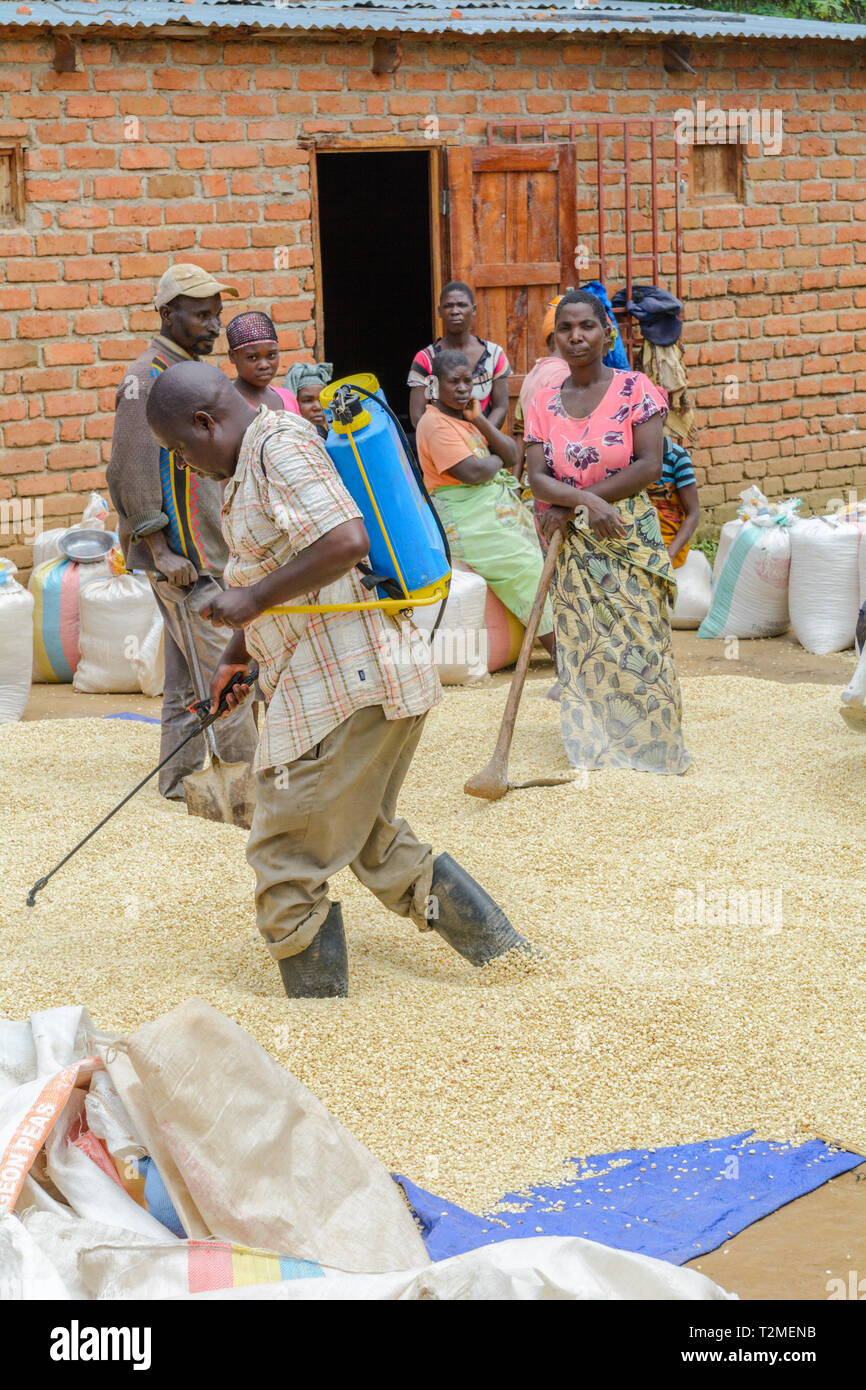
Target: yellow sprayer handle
{"points": [[384, 605]]}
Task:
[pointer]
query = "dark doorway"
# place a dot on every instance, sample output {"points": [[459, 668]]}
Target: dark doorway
{"points": [[374, 236]]}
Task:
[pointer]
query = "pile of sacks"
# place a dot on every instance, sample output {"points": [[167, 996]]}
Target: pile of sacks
{"points": [[476, 634], [183, 1162], [93, 625], [775, 570]]}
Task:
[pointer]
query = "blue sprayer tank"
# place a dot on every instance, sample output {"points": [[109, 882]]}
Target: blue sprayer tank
{"points": [[405, 542]]}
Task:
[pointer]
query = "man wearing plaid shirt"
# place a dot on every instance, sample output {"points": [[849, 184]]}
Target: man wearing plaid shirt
{"points": [[346, 698]]}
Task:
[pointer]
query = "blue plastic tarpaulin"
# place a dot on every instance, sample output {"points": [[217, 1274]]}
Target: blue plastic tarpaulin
{"points": [[138, 718], [674, 1203]]}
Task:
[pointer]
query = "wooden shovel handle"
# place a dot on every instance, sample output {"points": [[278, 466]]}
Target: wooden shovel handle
{"points": [[506, 730]]}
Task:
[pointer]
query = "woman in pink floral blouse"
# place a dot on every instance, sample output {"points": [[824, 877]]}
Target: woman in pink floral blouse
{"points": [[594, 444]]}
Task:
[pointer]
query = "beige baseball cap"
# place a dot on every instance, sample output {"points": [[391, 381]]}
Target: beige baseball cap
{"points": [[189, 279]]}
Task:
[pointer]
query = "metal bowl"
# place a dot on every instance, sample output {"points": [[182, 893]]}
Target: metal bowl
{"points": [[85, 546]]}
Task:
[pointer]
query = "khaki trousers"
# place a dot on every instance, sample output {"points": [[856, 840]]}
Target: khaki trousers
{"points": [[236, 735], [335, 807]]}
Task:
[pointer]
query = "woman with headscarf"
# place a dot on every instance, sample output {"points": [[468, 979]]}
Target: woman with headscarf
{"points": [[253, 352], [594, 445], [306, 380]]}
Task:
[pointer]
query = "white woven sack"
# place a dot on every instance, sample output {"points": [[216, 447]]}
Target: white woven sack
{"points": [[824, 591], [149, 663], [459, 645], [694, 591], [727, 536], [861, 569], [115, 616], [260, 1157], [750, 582], [16, 646], [45, 546]]}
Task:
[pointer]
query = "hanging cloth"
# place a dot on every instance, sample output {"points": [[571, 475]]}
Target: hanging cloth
{"points": [[617, 357]]}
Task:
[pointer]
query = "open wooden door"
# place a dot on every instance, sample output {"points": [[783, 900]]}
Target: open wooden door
{"points": [[512, 232]]}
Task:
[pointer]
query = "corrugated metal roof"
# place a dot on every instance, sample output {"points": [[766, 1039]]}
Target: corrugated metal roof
{"points": [[465, 17]]}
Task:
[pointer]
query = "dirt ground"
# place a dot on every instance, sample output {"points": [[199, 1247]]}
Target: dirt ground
{"points": [[792, 1253]]}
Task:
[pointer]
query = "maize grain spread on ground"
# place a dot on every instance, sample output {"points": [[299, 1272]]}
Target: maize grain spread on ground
{"points": [[655, 1017]]}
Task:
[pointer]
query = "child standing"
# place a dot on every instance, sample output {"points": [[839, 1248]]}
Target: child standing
{"points": [[675, 498], [255, 355]]}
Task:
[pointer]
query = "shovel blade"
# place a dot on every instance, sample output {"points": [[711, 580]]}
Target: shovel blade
{"points": [[222, 791]]}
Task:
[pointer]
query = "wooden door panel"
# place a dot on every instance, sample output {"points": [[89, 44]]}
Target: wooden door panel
{"points": [[512, 233]]}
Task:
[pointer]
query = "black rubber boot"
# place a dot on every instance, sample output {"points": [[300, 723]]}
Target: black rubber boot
{"points": [[467, 917], [322, 970]]}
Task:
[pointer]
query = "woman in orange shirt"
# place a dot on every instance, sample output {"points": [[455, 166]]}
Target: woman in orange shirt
{"points": [[465, 461]]}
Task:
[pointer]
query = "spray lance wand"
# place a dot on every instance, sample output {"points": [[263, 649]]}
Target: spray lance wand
{"points": [[205, 719]]}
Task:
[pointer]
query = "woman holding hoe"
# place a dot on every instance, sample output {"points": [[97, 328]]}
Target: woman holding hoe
{"points": [[594, 445]]}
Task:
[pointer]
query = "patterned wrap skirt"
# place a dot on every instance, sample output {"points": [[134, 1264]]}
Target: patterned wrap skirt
{"points": [[621, 703]]}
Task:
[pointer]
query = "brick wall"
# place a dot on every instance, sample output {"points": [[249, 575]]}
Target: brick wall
{"points": [[161, 150]]}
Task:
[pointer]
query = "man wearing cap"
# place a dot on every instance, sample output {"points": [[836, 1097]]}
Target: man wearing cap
{"points": [[172, 516]]}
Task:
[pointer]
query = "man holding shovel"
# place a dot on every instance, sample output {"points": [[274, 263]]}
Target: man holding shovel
{"points": [[173, 519], [344, 716]]}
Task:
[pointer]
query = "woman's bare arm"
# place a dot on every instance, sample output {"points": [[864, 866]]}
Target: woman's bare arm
{"points": [[417, 404], [498, 401], [500, 444], [475, 470]]}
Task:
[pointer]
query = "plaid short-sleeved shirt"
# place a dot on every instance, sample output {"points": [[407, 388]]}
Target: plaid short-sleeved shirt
{"points": [[316, 669]]}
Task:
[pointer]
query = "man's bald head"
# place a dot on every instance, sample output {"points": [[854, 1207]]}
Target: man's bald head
{"points": [[194, 411]]}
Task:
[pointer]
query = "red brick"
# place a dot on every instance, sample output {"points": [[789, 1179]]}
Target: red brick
{"points": [[137, 267], [132, 105], [234, 157], [90, 158], [75, 352], [15, 244], [163, 239], [90, 378], [89, 268], [217, 186], [42, 161], [114, 80], [42, 325], [16, 270], [96, 321], [73, 403], [83, 217], [63, 132], [92, 478], [117, 188], [320, 80], [31, 432], [161, 186], [29, 461], [40, 108], [193, 158], [144, 157], [42, 486], [90, 106], [210, 131], [167, 132], [65, 456], [53, 190], [122, 294], [195, 213]]}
